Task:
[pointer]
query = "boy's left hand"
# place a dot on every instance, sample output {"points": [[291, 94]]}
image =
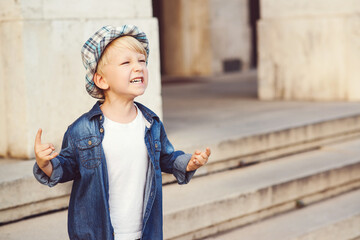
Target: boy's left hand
{"points": [[198, 159]]}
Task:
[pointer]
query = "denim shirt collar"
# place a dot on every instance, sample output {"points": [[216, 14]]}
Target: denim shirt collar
{"points": [[149, 115]]}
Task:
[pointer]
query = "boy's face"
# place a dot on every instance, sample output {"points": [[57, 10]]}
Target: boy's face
{"points": [[126, 74]]}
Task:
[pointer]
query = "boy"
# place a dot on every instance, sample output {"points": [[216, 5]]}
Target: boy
{"points": [[115, 153]]}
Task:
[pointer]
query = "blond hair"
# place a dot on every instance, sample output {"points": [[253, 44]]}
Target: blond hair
{"points": [[127, 42]]}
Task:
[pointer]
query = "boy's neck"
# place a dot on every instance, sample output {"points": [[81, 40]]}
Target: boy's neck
{"points": [[119, 111]]}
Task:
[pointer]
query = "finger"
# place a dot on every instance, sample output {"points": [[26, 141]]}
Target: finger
{"points": [[196, 162], [204, 155], [54, 155], [197, 152], [38, 137], [45, 146], [46, 152], [199, 160], [208, 151]]}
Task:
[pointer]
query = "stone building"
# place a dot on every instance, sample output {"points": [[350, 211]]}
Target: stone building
{"points": [[301, 50]]}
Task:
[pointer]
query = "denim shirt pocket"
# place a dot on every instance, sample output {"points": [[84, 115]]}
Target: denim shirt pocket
{"points": [[89, 151]]}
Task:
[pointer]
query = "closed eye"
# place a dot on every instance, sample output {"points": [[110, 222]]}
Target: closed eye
{"points": [[125, 63]]}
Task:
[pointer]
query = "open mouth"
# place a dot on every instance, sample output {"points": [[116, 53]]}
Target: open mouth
{"points": [[137, 80]]}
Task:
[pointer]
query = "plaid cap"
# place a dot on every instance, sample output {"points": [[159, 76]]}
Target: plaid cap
{"points": [[95, 45]]}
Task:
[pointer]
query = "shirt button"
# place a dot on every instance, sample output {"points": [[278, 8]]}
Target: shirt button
{"points": [[100, 117], [101, 130], [156, 146], [89, 142]]}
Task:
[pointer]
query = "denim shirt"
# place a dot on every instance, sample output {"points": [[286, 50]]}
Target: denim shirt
{"points": [[82, 160]]}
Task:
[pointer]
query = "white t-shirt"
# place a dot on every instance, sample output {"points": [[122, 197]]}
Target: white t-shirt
{"points": [[127, 163]]}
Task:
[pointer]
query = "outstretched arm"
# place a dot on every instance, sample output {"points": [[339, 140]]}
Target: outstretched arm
{"points": [[181, 165]]}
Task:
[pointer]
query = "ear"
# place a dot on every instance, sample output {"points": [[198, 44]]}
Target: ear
{"points": [[100, 81]]}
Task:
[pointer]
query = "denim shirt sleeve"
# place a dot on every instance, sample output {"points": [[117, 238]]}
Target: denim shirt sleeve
{"points": [[64, 165], [179, 171], [55, 176], [174, 162]]}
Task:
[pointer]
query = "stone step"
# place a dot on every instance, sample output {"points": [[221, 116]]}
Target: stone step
{"points": [[223, 112], [334, 219], [245, 142], [226, 200], [51, 226], [258, 131], [24, 196], [234, 198], [231, 147], [21, 194]]}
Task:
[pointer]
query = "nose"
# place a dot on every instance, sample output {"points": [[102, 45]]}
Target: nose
{"points": [[138, 67]]}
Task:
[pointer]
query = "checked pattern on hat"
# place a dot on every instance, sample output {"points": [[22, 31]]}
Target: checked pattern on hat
{"points": [[95, 46]]}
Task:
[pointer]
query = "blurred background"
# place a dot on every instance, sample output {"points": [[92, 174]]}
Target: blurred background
{"points": [[271, 86]]}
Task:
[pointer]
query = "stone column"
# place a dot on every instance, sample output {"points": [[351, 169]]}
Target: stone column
{"points": [[41, 73], [309, 50], [187, 45], [201, 36]]}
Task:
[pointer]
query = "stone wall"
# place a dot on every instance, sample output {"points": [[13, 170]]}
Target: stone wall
{"points": [[42, 79], [309, 50]]}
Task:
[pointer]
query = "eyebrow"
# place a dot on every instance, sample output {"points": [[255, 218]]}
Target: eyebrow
{"points": [[127, 57]]}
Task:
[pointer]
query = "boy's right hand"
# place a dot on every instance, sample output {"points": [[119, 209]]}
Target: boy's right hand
{"points": [[44, 153]]}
